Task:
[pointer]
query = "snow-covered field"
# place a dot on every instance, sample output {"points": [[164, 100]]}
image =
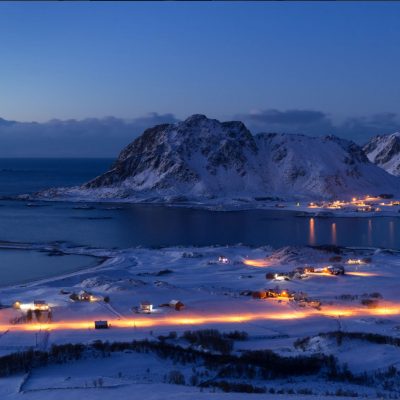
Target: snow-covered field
{"points": [[217, 294]]}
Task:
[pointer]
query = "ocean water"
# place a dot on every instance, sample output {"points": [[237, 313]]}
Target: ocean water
{"points": [[20, 266], [112, 225], [28, 175], [122, 226]]}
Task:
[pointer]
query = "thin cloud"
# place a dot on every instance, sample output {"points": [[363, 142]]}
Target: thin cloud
{"points": [[318, 123], [288, 117], [311, 122], [105, 137], [91, 137]]}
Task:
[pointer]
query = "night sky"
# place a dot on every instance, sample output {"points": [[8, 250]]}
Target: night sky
{"points": [[312, 68]]}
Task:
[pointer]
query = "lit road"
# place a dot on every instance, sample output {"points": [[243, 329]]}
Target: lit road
{"points": [[185, 318]]}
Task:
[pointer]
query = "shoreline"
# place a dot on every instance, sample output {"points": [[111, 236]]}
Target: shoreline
{"points": [[102, 262], [226, 205], [98, 261]]}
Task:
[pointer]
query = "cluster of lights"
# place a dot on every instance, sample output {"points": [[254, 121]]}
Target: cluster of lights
{"points": [[355, 261], [362, 203]]}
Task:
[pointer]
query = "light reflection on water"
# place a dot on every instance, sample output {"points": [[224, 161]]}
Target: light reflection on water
{"points": [[146, 225], [312, 232], [369, 232], [391, 233], [334, 233]]}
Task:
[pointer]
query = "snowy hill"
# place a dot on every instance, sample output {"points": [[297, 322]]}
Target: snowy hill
{"points": [[201, 158], [320, 167], [384, 151]]}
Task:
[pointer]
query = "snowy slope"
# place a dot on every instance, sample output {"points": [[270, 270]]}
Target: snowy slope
{"points": [[201, 158], [320, 167], [384, 151], [198, 157], [215, 297]]}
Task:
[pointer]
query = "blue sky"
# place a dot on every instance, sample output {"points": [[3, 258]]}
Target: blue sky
{"points": [[71, 60]]}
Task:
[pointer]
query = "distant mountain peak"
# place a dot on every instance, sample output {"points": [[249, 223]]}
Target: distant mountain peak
{"points": [[195, 118]]}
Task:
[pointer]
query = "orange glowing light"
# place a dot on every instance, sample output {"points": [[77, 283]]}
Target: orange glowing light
{"points": [[284, 312], [324, 273], [312, 231], [333, 229], [257, 262], [359, 273]]}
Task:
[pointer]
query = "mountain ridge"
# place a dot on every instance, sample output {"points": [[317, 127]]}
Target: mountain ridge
{"points": [[384, 151], [202, 158]]}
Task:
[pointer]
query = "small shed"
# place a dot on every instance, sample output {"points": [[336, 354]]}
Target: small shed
{"points": [[101, 325], [176, 304], [146, 307]]}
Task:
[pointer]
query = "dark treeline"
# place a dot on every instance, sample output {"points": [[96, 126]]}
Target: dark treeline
{"points": [[340, 335], [240, 387], [387, 378], [265, 364], [213, 339], [26, 360], [260, 364]]}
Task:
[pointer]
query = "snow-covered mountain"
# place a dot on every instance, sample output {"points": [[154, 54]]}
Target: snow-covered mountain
{"points": [[320, 167], [384, 151], [203, 158], [200, 157]]}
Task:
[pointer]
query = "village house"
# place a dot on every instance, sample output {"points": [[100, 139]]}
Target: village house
{"points": [[358, 261], [146, 307], [297, 273], [101, 325], [330, 269], [281, 276], [40, 305], [176, 304], [83, 295], [336, 270]]}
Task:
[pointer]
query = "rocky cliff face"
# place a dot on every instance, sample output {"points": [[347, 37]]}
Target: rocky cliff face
{"points": [[198, 156], [203, 158], [384, 151]]}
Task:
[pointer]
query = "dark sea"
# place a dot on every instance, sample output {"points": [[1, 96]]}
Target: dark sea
{"points": [[121, 226]]}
